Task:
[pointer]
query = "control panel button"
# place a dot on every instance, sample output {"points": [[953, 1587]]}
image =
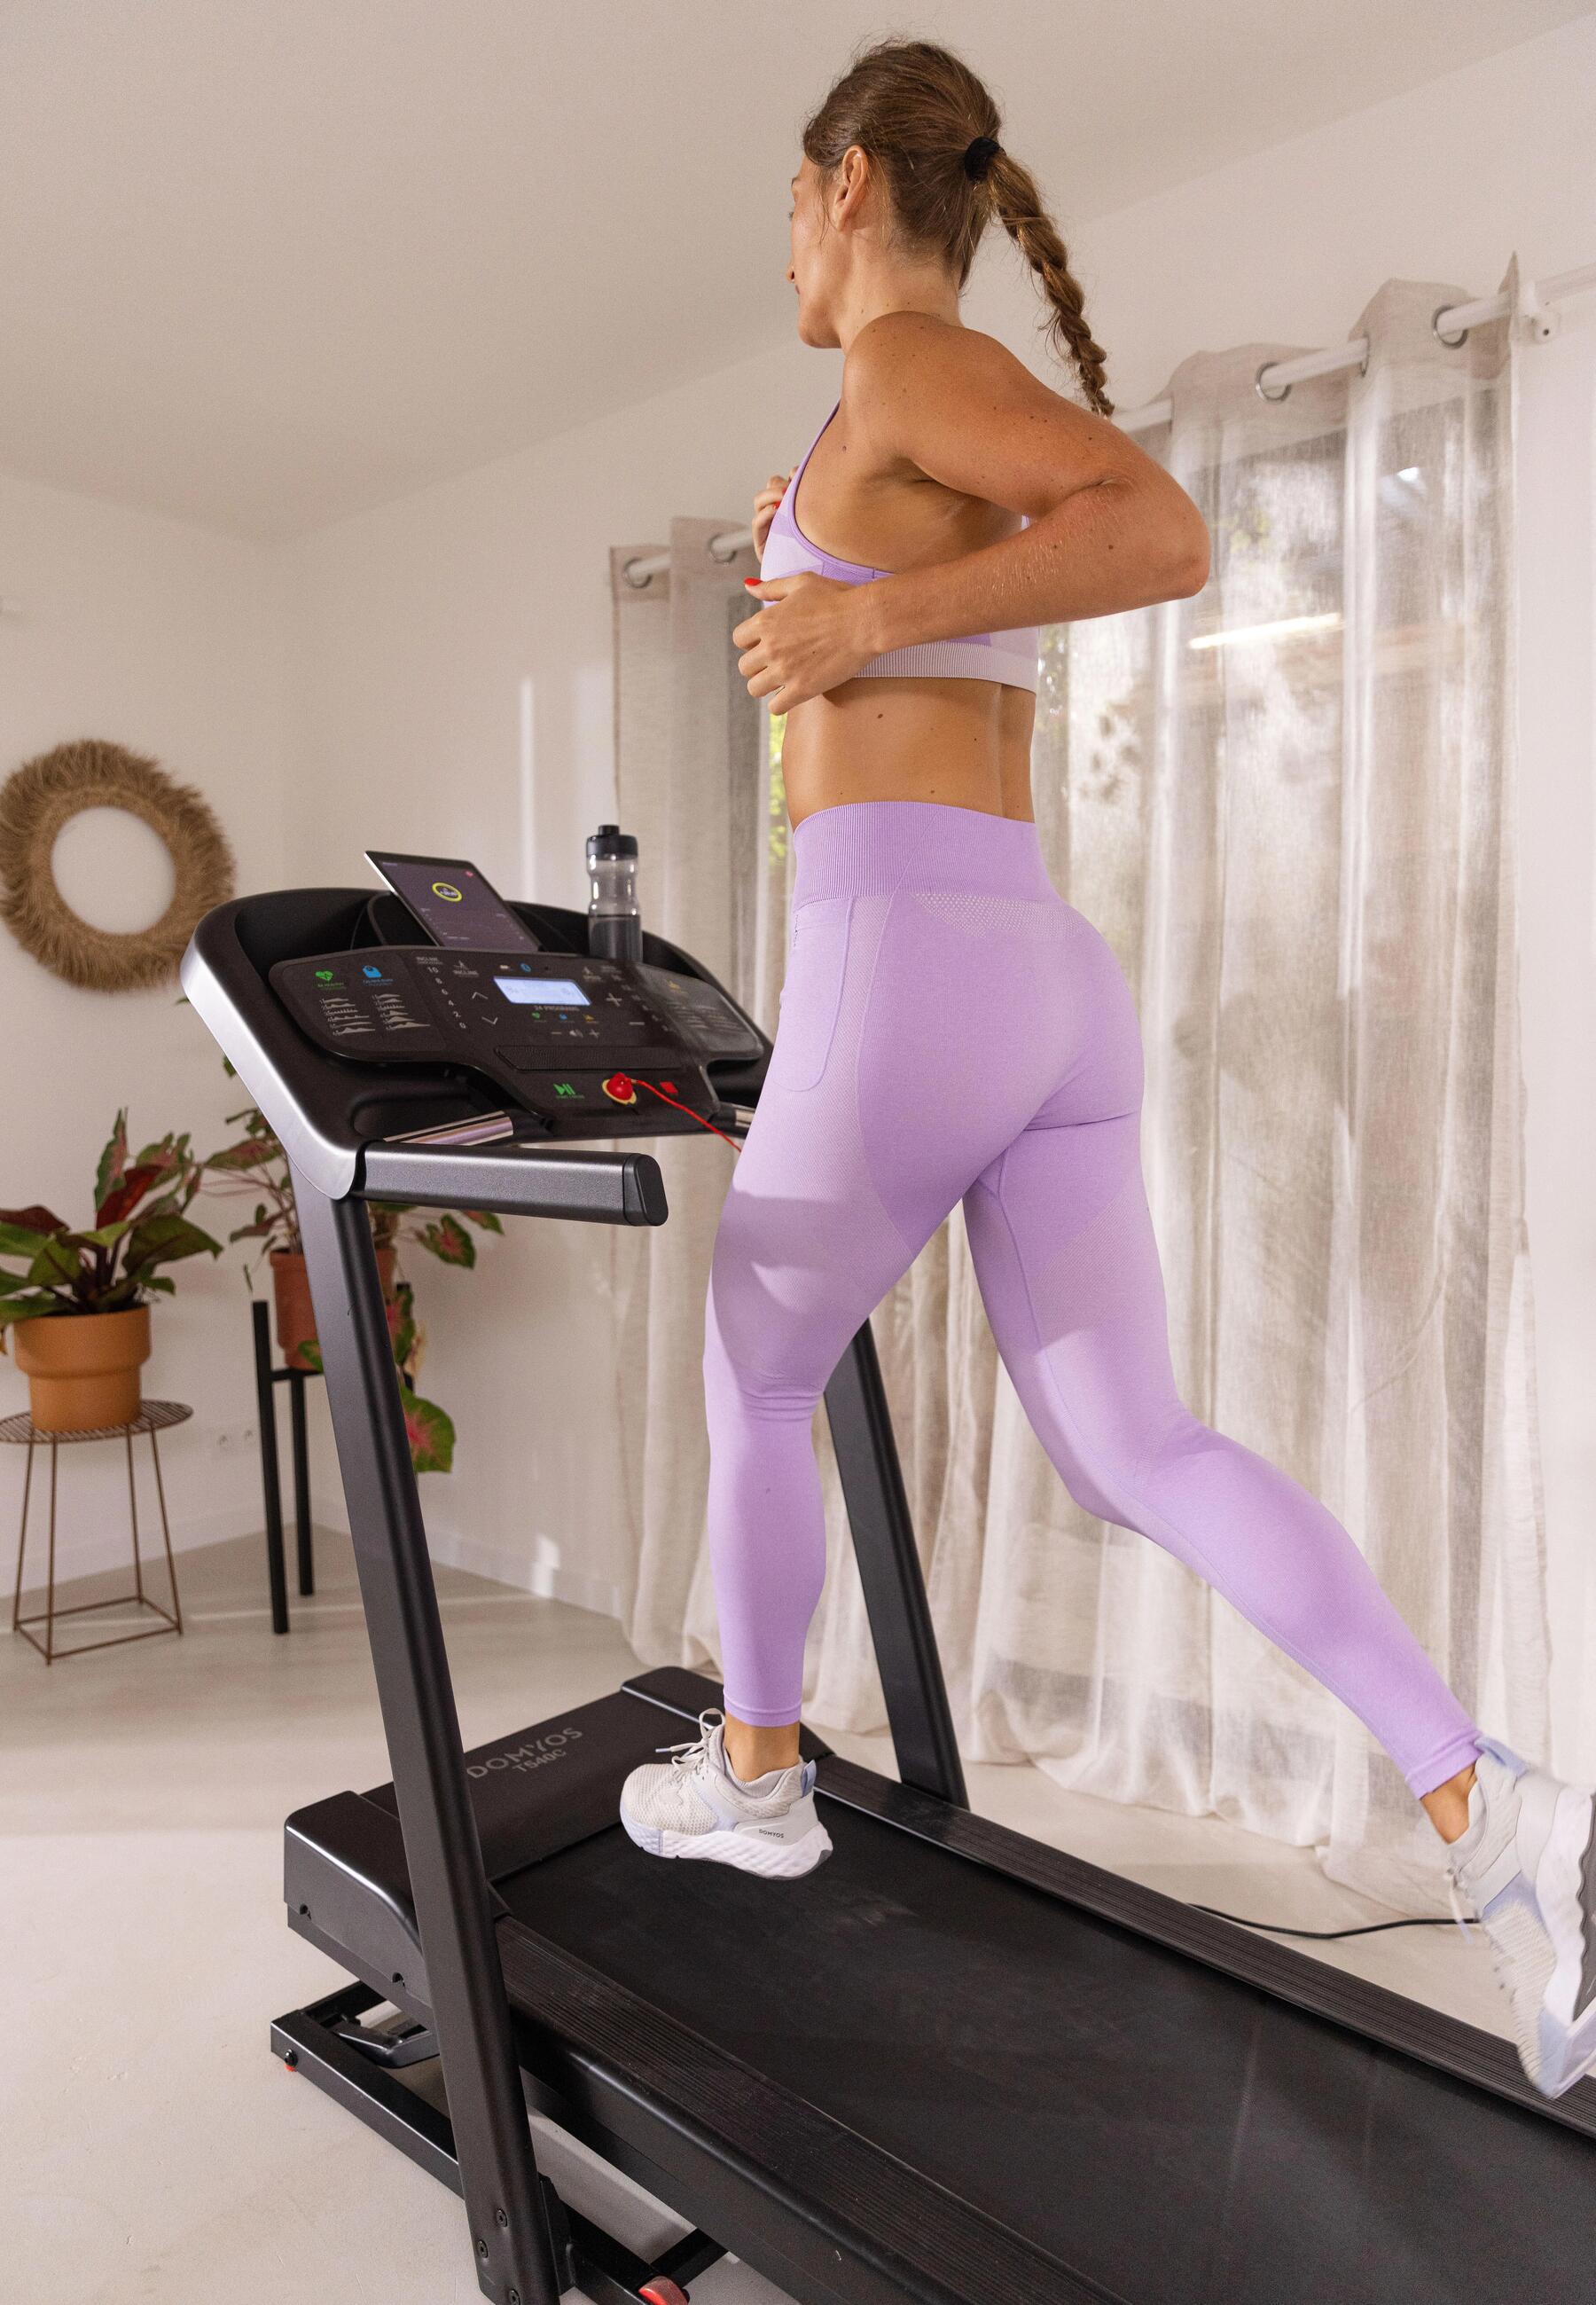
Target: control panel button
{"points": [[620, 1090]]}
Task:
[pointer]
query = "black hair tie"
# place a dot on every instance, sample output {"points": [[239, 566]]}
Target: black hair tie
{"points": [[979, 156]]}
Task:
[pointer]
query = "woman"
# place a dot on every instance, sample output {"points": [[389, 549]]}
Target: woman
{"points": [[952, 1029]]}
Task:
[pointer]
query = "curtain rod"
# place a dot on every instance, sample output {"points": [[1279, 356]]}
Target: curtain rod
{"points": [[1457, 319]]}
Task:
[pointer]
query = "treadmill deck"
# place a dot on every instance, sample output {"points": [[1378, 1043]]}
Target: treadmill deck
{"points": [[1003, 2067], [1173, 2136]]}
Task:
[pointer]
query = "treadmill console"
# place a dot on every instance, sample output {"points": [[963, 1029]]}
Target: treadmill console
{"points": [[564, 1035]]}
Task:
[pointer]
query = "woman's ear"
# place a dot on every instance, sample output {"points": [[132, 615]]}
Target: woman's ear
{"points": [[850, 186]]}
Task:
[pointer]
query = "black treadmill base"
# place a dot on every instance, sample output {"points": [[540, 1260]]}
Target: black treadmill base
{"points": [[954, 2065], [314, 2042]]}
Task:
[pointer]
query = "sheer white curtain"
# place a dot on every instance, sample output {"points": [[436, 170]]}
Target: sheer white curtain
{"points": [[1288, 803]]}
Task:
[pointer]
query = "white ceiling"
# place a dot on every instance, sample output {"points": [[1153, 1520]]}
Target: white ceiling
{"points": [[265, 262]]}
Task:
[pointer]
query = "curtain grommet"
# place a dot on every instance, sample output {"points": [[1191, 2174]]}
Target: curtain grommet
{"points": [[1451, 343], [1272, 397]]}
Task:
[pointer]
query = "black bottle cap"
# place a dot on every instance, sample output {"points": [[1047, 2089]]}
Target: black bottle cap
{"points": [[609, 840]]}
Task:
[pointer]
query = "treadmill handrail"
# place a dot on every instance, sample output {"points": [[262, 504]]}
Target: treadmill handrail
{"points": [[517, 1179]]}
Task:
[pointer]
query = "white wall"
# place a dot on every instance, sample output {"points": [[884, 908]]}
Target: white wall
{"points": [[423, 630], [166, 639]]}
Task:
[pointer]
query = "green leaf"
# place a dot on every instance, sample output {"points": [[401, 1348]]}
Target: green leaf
{"points": [[430, 1431], [449, 1241], [113, 1161], [159, 1281], [26, 1305], [57, 1265], [484, 1218], [23, 1240], [163, 1240], [309, 1355], [248, 1153], [105, 1235]]}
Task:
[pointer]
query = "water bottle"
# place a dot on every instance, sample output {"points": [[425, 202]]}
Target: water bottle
{"points": [[615, 925]]}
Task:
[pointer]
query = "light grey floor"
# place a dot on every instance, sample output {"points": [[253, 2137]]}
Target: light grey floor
{"points": [[150, 2146]]}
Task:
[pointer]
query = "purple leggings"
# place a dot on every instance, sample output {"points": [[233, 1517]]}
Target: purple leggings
{"points": [[952, 1029]]}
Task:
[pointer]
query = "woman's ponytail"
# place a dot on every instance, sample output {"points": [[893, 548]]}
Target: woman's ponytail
{"points": [[1017, 207]]}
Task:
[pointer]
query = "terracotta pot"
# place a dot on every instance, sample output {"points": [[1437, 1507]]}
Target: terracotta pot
{"points": [[82, 1368], [296, 1316]]}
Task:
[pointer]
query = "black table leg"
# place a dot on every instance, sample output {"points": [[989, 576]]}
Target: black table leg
{"points": [[301, 1482], [270, 1486]]}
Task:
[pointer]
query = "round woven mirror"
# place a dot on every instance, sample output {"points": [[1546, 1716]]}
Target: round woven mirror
{"points": [[41, 799]]}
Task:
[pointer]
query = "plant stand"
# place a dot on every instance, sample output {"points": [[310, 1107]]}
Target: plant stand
{"points": [[155, 1416], [267, 1378]]}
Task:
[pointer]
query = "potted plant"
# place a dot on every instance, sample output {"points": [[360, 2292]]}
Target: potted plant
{"points": [[256, 1164], [80, 1301]]}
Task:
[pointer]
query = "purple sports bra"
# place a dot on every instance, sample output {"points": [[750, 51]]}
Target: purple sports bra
{"points": [[1011, 658]]}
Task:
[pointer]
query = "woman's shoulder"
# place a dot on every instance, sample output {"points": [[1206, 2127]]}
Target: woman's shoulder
{"points": [[917, 351]]}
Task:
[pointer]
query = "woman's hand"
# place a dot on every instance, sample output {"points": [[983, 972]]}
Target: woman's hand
{"points": [[765, 505], [810, 635]]}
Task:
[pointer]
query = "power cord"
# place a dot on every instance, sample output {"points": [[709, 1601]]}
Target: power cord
{"points": [[1368, 1929], [676, 1105]]}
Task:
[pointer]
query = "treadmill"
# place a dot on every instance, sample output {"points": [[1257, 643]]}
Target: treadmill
{"points": [[950, 2065]]}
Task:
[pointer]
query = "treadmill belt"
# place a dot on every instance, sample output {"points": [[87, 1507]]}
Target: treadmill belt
{"points": [[1173, 2134]]}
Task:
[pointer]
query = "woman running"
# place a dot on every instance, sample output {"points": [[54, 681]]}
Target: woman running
{"points": [[952, 1030]]}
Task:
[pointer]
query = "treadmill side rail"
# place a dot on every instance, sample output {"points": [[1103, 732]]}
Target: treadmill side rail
{"points": [[518, 1179]]}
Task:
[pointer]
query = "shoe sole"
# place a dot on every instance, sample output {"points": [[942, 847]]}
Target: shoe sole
{"points": [[1567, 2046], [773, 1861]]}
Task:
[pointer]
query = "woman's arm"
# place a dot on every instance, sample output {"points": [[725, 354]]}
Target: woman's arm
{"points": [[1110, 530]]}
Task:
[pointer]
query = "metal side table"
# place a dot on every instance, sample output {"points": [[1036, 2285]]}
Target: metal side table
{"points": [[21, 1432]]}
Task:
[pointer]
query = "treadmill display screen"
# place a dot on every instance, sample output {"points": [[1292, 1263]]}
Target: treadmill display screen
{"points": [[457, 905], [542, 992]]}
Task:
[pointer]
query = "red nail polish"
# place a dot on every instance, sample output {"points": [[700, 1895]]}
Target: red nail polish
{"points": [[750, 584]]}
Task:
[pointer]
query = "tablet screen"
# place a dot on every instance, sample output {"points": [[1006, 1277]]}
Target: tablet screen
{"points": [[455, 903]]}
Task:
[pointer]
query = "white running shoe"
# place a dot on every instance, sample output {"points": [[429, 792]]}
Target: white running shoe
{"points": [[1526, 1865], [694, 1806]]}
